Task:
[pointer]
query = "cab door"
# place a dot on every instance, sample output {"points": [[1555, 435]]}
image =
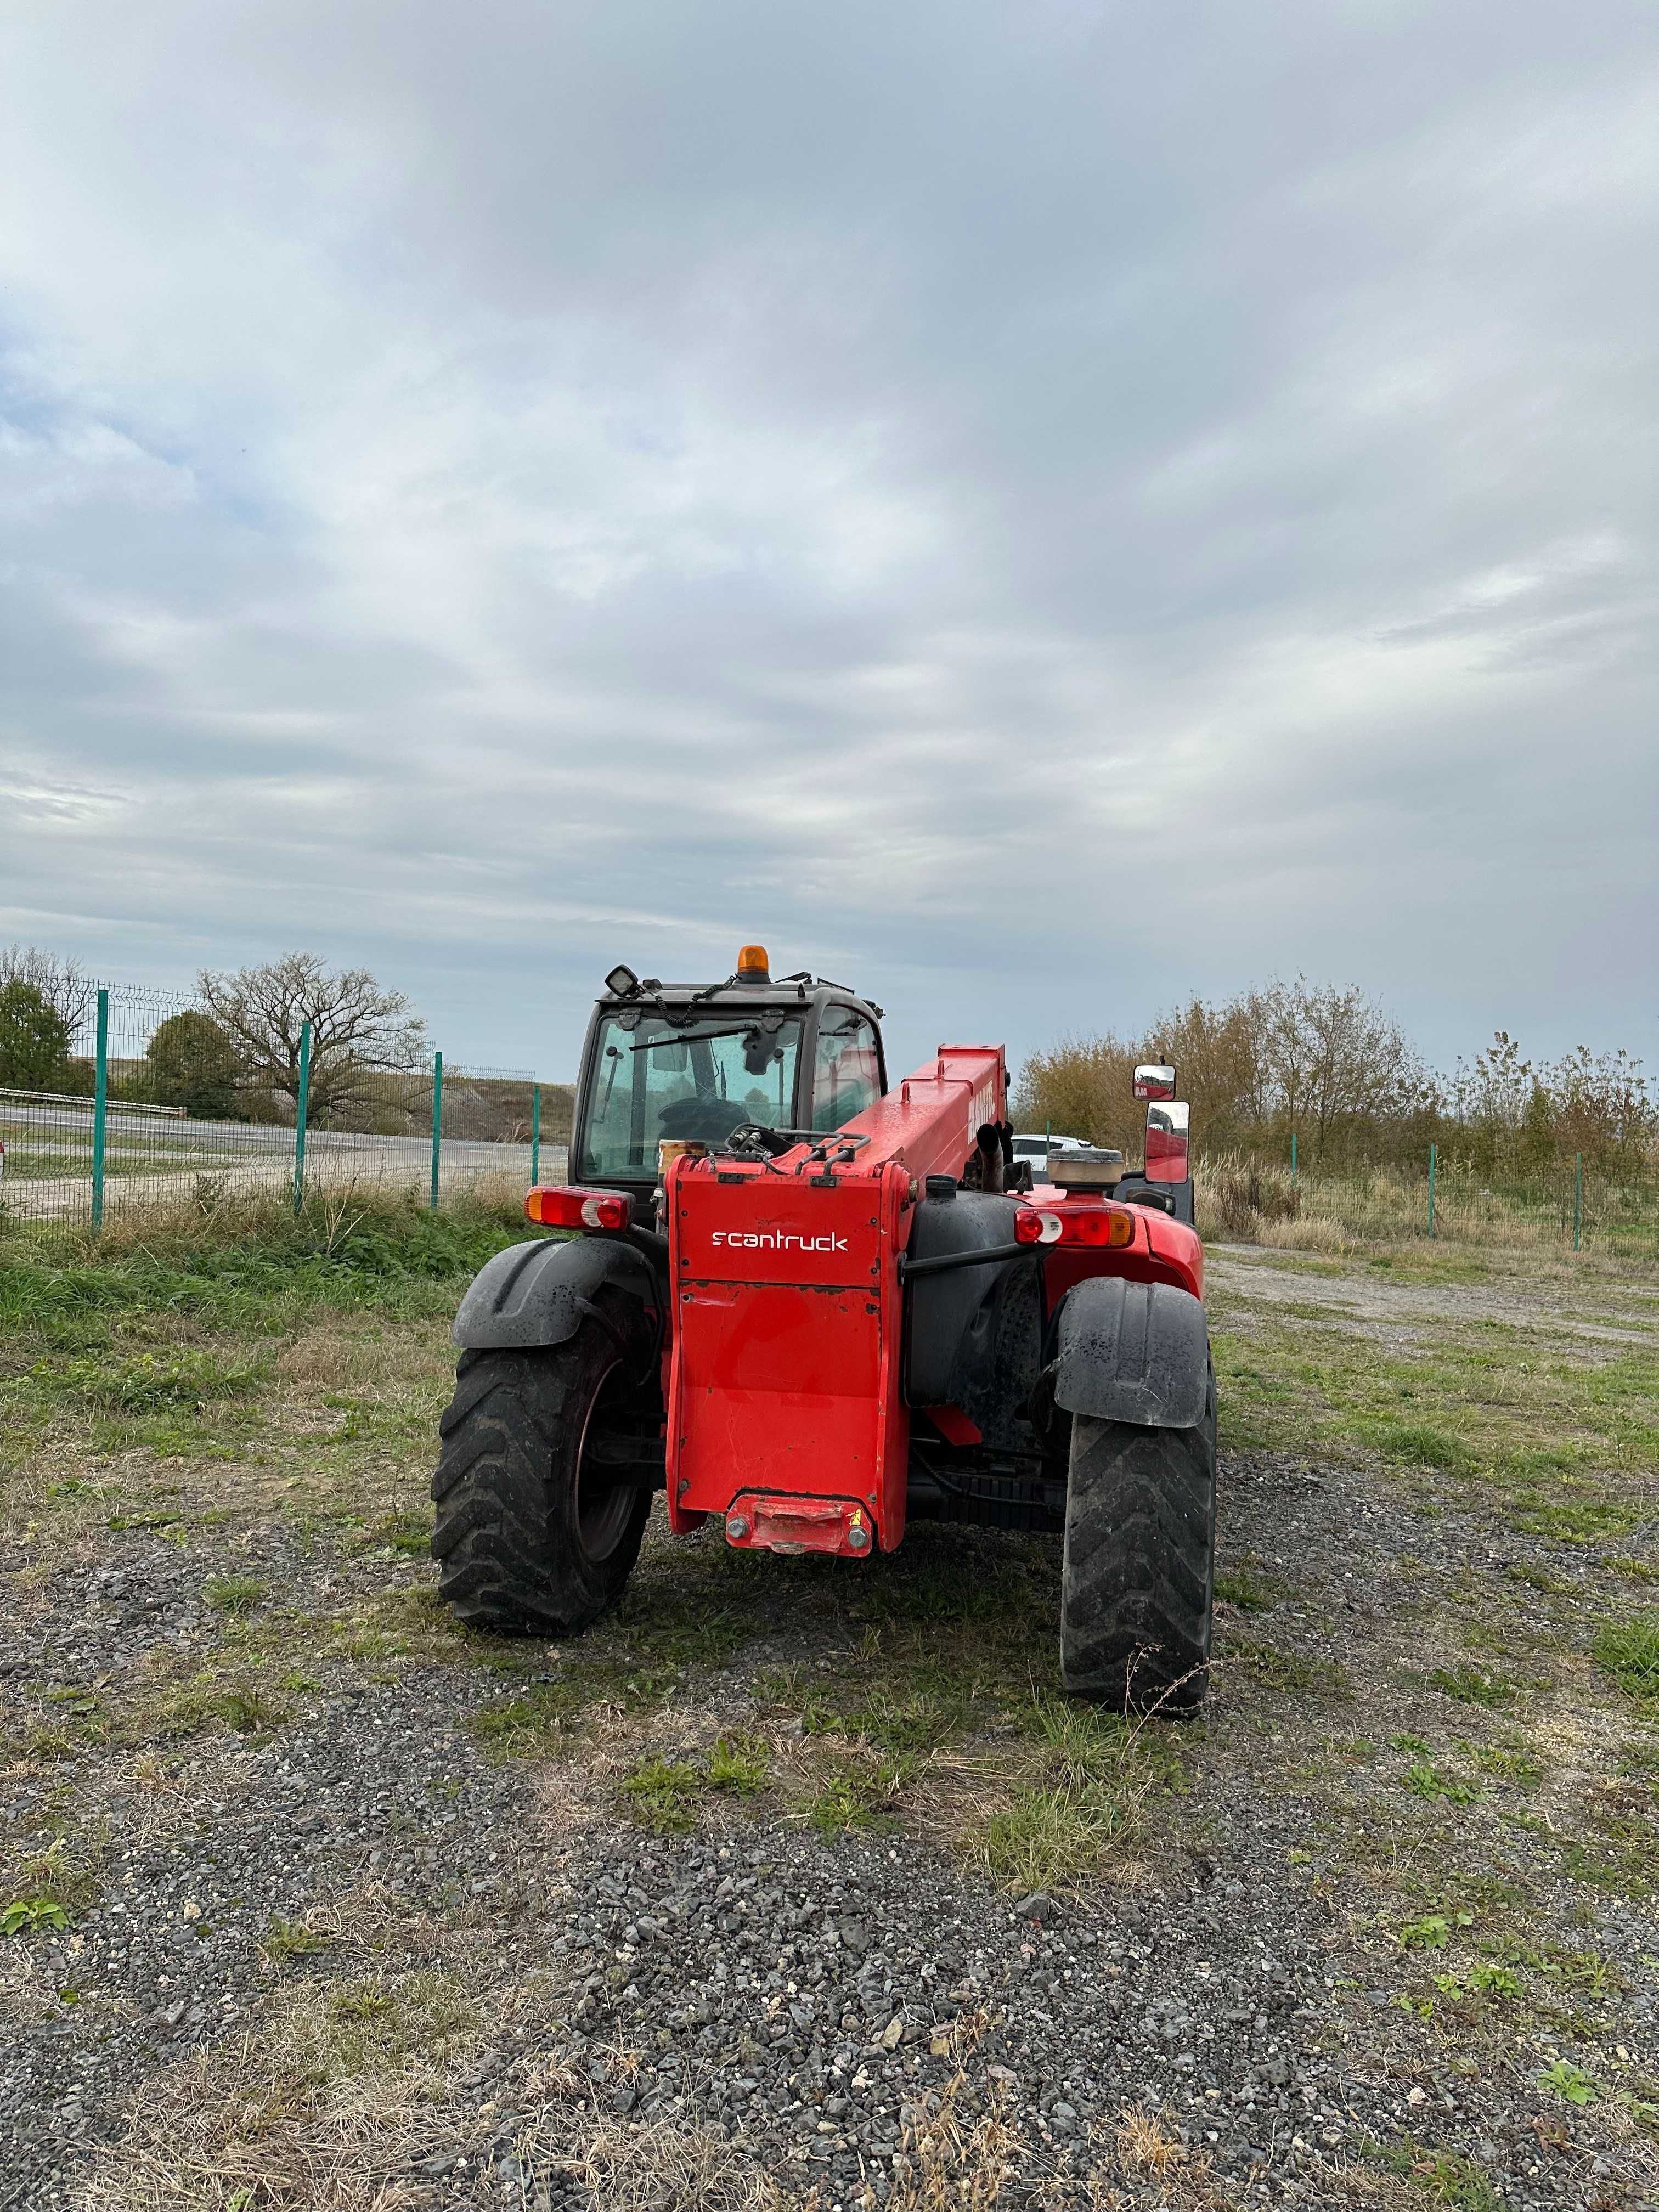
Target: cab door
{"points": [[847, 1074]]}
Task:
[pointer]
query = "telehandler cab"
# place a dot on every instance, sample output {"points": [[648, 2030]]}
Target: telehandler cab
{"points": [[813, 1307]]}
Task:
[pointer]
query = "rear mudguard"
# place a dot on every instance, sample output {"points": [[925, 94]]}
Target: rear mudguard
{"points": [[535, 1295], [1132, 1351]]}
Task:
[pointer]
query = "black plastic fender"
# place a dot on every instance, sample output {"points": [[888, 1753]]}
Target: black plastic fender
{"points": [[535, 1294], [1132, 1351]]}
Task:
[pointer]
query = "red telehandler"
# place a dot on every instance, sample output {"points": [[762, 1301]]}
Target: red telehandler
{"points": [[815, 1307]]}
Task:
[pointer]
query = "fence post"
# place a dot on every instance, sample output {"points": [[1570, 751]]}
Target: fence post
{"points": [[1293, 1159], [1431, 1190], [437, 1121], [99, 1108], [535, 1134], [1577, 1195], [301, 1115]]}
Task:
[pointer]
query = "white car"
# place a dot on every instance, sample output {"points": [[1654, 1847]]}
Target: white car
{"points": [[1035, 1151]]}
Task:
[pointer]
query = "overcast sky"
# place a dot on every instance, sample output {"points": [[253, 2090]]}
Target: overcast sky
{"points": [[1031, 510]]}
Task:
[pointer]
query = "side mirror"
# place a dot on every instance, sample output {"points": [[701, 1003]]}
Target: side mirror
{"points": [[1166, 1142], [1155, 1082], [621, 982]]}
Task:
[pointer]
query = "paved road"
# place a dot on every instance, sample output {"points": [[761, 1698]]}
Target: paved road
{"points": [[253, 1157]]}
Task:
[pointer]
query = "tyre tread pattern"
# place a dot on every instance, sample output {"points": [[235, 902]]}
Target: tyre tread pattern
{"points": [[506, 1532], [1138, 1579]]}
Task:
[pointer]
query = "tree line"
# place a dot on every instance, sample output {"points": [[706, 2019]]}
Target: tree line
{"points": [[235, 1055], [1328, 1064]]}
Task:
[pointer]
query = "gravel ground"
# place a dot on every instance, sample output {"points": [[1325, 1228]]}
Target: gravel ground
{"points": [[340, 1930]]}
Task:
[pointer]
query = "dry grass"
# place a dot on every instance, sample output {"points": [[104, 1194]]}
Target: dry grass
{"points": [[950, 2160], [229, 2130], [666, 2166], [1145, 2145]]}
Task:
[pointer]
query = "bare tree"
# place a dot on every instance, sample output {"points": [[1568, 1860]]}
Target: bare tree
{"points": [[358, 1029], [63, 984], [1335, 1057]]}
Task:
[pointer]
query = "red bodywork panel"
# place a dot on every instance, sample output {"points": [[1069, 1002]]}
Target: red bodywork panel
{"points": [[784, 1388], [785, 1375]]}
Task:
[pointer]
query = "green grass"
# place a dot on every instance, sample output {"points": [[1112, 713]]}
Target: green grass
{"points": [[1629, 1652], [1293, 1672], [1440, 2177], [232, 1593], [1424, 1780], [209, 1700], [1473, 1685], [1085, 1790], [855, 1796], [663, 1794], [288, 1939], [740, 1766], [1249, 1591], [1551, 1432], [539, 1723], [254, 1276]]}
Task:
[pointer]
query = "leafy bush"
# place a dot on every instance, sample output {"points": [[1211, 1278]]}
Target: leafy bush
{"points": [[34, 1039], [192, 1063]]}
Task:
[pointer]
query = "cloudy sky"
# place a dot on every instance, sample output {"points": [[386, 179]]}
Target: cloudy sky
{"points": [[1031, 510]]}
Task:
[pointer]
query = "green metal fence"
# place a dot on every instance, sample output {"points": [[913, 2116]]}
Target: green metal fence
{"points": [[151, 1102], [1569, 1204]]}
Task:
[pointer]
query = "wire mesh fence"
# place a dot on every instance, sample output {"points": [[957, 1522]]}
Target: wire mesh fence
{"points": [[141, 1097], [1608, 1207]]}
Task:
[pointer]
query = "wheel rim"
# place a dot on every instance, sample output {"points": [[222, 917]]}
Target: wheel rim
{"points": [[603, 1509]]}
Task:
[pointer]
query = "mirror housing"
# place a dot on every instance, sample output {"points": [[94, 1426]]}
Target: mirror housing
{"points": [[1166, 1142], [622, 982], [1155, 1082]]}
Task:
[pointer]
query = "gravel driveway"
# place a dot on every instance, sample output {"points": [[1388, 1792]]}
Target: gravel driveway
{"points": [[721, 1906]]}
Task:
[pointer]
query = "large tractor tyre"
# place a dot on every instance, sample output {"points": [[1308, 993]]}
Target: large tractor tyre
{"points": [[1139, 1581], [530, 1539]]}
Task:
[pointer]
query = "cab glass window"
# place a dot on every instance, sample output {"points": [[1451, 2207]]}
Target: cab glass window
{"points": [[652, 1080], [847, 1075]]}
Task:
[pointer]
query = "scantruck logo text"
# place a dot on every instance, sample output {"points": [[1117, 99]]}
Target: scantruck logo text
{"points": [[776, 1240]]}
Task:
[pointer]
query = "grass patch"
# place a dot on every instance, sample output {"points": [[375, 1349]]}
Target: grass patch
{"points": [[1082, 1798], [1629, 1652], [662, 1795], [1291, 1672], [1423, 1779], [665, 1794], [538, 1724], [740, 1766], [856, 1794], [1488, 1403], [207, 1700], [1442, 2176], [232, 1593], [1473, 1685], [371, 2028], [285, 1940], [1249, 1591]]}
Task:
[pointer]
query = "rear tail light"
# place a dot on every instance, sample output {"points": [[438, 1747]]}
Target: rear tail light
{"points": [[1108, 1226], [566, 1206]]}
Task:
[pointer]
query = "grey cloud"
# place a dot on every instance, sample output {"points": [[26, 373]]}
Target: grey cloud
{"points": [[1039, 511]]}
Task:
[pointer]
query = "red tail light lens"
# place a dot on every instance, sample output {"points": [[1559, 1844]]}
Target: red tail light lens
{"points": [[1033, 1227], [1104, 1227], [566, 1206]]}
